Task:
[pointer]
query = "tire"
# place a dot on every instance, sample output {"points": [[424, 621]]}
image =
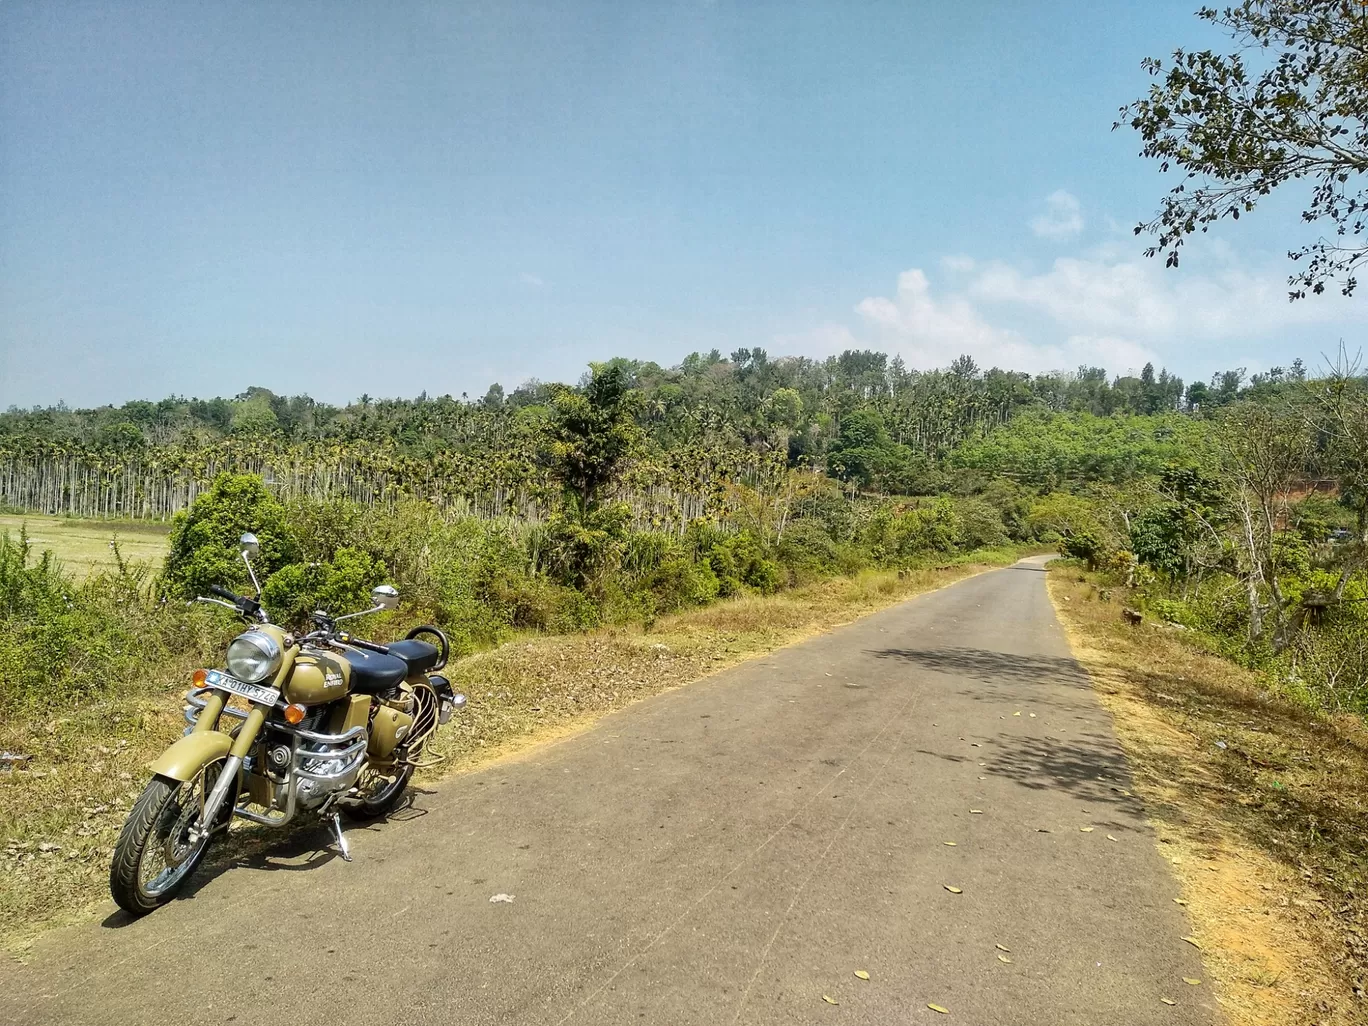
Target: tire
{"points": [[378, 803], [146, 834]]}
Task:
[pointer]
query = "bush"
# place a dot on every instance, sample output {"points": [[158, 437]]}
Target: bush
{"points": [[679, 582], [981, 525], [808, 552], [62, 642], [937, 528], [204, 538], [341, 585]]}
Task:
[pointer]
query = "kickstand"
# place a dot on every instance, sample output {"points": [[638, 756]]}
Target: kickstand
{"points": [[341, 841]]}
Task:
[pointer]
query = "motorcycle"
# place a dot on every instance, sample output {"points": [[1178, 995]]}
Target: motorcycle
{"points": [[332, 724]]}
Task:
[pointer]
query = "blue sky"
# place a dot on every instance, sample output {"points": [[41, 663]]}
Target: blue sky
{"points": [[346, 197]]}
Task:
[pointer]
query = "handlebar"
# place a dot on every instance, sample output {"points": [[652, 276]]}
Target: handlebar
{"points": [[240, 603]]}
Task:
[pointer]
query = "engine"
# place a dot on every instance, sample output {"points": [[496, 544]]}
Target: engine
{"points": [[307, 766]]}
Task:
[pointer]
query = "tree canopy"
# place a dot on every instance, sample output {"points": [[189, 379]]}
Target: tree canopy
{"points": [[1289, 105]]}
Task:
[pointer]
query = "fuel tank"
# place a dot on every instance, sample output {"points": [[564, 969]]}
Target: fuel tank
{"points": [[318, 677]]}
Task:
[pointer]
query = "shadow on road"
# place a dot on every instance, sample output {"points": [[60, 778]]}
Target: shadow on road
{"points": [[303, 845], [1081, 762], [1088, 766], [991, 667]]}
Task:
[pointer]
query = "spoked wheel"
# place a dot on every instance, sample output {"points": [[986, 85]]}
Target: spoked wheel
{"points": [[155, 854], [378, 791]]}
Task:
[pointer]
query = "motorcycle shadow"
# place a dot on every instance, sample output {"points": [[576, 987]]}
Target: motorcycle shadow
{"points": [[300, 846]]}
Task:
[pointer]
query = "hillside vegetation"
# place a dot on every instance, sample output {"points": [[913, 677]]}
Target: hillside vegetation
{"points": [[1236, 508]]}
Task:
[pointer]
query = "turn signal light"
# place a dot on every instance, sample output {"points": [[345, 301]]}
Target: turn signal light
{"points": [[199, 677], [294, 714]]}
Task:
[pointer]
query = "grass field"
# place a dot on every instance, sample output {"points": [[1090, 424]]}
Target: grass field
{"points": [[83, 546]]}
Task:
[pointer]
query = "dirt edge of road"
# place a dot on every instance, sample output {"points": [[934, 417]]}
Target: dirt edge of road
{"points": [[1222, 767], [523, 696]]}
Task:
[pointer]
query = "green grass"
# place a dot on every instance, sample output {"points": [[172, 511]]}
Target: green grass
{"points": [[83, 546]]}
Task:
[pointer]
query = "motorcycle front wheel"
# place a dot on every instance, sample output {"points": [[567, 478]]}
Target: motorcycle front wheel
{"points": [[154, 854]]}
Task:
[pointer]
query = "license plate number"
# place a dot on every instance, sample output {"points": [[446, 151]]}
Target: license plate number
{"points": [[253, 692]]}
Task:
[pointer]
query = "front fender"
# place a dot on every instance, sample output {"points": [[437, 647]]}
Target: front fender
{"points": [[191, 753]]}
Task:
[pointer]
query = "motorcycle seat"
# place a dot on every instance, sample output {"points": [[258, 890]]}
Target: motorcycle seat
{"points": [[419, 655], [372, 672]]}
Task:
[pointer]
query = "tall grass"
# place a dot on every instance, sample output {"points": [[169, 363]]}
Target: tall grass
{"points": [[62, 641]]}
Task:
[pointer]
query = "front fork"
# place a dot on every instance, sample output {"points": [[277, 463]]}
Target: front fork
{"points": [[228, 776]]}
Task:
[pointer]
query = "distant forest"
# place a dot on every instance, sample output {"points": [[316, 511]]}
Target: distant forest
{"points": [[860, 417]]}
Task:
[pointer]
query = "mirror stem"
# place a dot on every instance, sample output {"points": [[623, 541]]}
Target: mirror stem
{"points": [[252, 573]]}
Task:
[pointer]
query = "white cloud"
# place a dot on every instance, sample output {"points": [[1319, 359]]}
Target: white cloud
{"points": [[1140, 298], [1063, 217], [1106, 308], [928, 329], [528, 278]]}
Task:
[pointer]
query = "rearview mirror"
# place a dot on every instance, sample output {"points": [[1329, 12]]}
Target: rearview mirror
{"points": [[385, 596], [248, 544]]}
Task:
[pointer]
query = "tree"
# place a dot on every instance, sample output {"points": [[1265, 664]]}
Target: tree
{"points": [[1290, 104], [593, 433], [494, 398], [864, 453], [1264, 452]]}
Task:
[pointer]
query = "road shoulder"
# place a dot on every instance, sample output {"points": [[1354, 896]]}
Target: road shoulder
{"points": [[1253, 801]]}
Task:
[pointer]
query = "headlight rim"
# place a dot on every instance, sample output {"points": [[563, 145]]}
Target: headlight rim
{"points": [[265, 645]]}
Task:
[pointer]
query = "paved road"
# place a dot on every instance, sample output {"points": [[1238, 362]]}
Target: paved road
{"points": [[726, 853]]}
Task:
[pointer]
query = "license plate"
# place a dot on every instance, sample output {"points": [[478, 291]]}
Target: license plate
{"points": [[252, 692]]}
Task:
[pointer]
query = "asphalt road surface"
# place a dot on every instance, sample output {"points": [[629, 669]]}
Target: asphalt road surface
{"points": [[730, 852]]}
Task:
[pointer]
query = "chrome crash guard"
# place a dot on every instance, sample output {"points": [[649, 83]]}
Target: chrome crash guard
{"points": [[307, 748]]}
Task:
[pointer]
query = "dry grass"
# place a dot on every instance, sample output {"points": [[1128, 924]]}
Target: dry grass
{"points": [[1260, 806], [59, 819], [83, 546]]}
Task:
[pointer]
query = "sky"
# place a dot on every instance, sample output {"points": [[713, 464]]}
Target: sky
{"points": [[342, 197]]}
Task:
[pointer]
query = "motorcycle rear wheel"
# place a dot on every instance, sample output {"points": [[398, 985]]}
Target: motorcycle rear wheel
{"points": [[154, 855], [377, 794]]}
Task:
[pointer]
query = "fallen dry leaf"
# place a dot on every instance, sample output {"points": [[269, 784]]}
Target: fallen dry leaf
{"points": [[1004, 958], [952, 890], [950, 844], [1191, 982], [861, 974], [829, 999], [1193, 942], [938, 1008], [1002, 947], [976, 812], [1110, 837], [1179, 901], [1086, 830], [1167, 1001]]}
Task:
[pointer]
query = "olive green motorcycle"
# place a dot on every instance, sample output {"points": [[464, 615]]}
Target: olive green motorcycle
{"points": [[319, 722]]}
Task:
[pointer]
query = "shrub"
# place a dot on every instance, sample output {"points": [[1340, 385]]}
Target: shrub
{"points": [[204, 538], [341, 585], [62, 642], [981, 525], [581, 545], [929, 529], [807, 552], [680, 582]]}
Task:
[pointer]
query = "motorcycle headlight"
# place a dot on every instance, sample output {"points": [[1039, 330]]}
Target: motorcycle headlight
{"points": [[253, 657]]}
